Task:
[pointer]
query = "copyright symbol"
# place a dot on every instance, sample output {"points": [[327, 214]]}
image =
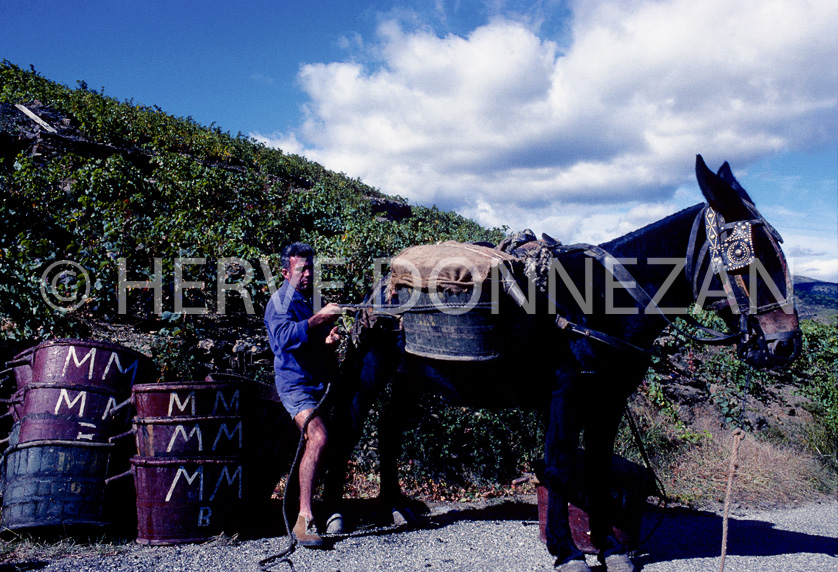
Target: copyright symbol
{"points": [[61, 283]]}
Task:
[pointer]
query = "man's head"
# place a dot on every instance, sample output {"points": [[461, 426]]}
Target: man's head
{"points": [[298, 266]]}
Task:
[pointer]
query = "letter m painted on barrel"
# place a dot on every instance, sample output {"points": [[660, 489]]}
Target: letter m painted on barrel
{"points": [[198, 474], [115, 358], [225, 475], [64, 396], [71, 353], [179, 430], [229, 434], [174, 400], [228, 407]]}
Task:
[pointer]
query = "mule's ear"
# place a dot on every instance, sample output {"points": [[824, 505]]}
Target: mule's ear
{"points": [[727, 175], [711, 185], [719, 193]]}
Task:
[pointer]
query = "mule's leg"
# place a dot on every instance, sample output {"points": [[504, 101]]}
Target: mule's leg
{"points": [[393, 421], [359, 387], [559, 450], [599, 446]]}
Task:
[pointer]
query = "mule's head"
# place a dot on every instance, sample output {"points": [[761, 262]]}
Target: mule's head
{"points": [[750, 267]]}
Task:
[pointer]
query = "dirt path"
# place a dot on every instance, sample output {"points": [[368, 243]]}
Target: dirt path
{"points": [[500, 535]]}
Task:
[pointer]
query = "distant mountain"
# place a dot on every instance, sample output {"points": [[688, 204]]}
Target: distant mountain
{"points": [[815, 298]]}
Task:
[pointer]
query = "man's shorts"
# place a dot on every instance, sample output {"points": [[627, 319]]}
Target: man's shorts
{"points": [[300, 399]]}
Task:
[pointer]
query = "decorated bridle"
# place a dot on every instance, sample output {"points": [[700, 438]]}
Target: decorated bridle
{"points": [[731, 250]]}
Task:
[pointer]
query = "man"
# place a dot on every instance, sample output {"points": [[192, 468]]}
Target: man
{"points": [[304, 343]]}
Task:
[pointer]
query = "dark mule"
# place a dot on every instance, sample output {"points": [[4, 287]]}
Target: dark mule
{"points": [[587, 351]]}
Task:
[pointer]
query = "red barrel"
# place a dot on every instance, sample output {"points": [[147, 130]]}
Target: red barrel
{"points": [[83, 362], [189, 470], [209, 454], [189, 399], [190, 436], [87, 362], [188, 500], [64, 408], [46, 411], [631, 486]]}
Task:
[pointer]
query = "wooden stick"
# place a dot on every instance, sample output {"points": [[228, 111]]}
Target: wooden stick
{"points": [[35, 118], [738, 435]]}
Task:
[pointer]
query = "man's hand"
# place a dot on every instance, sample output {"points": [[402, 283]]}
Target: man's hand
{"points": [[328, 314], [333, 338]]}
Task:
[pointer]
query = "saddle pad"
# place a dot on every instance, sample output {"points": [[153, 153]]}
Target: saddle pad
{"points": [[450, 266]]}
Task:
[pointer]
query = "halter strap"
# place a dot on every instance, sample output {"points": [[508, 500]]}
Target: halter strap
{"points": [[719, 235], [644, 300], [723, 240]]}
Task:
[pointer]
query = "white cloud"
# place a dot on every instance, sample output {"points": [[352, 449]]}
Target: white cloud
{"points": [[504, 125], [824, 269]]}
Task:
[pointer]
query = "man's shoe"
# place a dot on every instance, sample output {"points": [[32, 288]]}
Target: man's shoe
{"points": [[334, 525], [619, 563], [305, 531]]}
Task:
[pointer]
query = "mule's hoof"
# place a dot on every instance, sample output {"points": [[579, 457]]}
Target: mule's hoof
{"points": [[334, 525], [573, 566], [403, 517], [619, 563]]}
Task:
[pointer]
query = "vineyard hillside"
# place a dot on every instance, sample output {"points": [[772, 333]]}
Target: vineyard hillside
{"points": [[121, 222]]}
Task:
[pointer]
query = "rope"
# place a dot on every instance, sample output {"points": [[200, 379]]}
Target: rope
{"points": [[266, 563], [738, 435]]}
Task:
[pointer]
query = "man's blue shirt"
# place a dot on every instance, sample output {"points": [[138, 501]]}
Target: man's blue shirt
{"points": [[301, 359]]}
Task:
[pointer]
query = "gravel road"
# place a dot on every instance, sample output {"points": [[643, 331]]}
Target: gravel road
{"points": [[502, 535]]}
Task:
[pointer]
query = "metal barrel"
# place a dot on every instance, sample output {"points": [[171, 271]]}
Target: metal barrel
{"points": [[64, 412], [188, 399], [50, 484], [189, 500], [69, 389], [188, 470], [73, 412], [190, 436], [434, 331], [631, 484], [464, 326], [86, 362], [208, 456]]}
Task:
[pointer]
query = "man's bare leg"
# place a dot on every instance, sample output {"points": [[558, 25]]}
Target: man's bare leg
{"points": [[310, 464]]}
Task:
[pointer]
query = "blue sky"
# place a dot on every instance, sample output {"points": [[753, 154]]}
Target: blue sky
{"points": [[578, 118]]}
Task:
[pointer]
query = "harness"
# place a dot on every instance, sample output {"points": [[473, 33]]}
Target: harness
{"points": [[731, 250]]}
